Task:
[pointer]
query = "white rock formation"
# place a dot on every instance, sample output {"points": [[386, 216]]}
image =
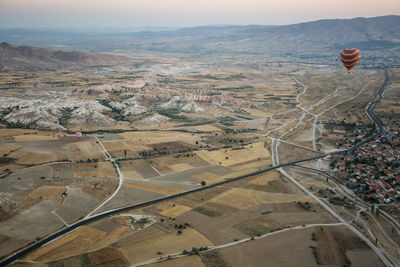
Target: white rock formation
{"points": [[152, 120], [44, 113], [182, 104]]}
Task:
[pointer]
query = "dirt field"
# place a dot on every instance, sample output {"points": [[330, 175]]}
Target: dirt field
{"points": [[38, 217], [76, 205], [206, 128], [263, 180], [109, 257], [48, 193], [230, 223], [75, 242], [128, 195], [229, 157], [111, 237], [152, 232], [83, 150], [131, 147], [102, 170], [149, 137], [148, 249], [364, 258], [10, 167], [244, 199], [29, 158], [138, 169], [10, 133], [7, 148], [187, 177], [170, 164], [208, 177], [288, 153], [272, 182], [192, 261], [175, 211], [155, 189], [273, 251], [34, 137], [9, 245]]}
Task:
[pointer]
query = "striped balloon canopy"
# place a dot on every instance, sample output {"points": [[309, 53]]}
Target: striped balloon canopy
{"points": [[350, 57]]}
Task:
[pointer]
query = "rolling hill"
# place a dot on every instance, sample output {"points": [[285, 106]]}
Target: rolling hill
{"points": [[27, 57], [319, 37]]}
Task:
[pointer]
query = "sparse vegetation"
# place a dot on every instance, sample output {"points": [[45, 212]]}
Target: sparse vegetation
{"points": [[305, 205], [207, 211]]}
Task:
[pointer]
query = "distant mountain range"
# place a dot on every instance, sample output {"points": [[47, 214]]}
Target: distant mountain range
{"points": [[319, 37], [26, 57]]}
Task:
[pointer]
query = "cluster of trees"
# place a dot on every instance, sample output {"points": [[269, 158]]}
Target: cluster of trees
{"points": [[305, 205], [194, 251], [6, 160]]}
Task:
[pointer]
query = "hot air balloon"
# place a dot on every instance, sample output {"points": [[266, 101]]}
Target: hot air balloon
{"points": [[350, 57], [78, 135]]}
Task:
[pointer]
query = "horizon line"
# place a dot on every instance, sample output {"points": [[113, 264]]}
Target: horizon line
{"points": [[173, 28]]}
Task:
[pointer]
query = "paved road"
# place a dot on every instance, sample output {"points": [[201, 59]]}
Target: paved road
{"points": [[85, 221], [120, 175]]}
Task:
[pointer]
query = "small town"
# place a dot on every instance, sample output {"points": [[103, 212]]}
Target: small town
{"points": [[373, 170]]}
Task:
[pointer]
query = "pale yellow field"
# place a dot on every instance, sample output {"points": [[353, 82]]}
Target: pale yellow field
{"points": [[175, 211], [76, 242], [179, 167], [24, 264], [84, 174], [339, 131], [8, 148], [141, 251], [190, 261], [229, 157], [111, 237], [34, 137], [158, 137], [265, 178], [132, 174], [120, 145], [18, 154], [155, 189], [244, 199], [10, 133], [48, 193], [11, 167], [208, 177], [206, 128], [104, 170], [170, 164], [250, 165]]}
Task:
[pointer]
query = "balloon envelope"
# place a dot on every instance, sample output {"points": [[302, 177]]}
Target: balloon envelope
{"points": [[350, 57], [78, 134]]}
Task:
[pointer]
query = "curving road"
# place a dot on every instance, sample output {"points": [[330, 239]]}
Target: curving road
{"points": [[13, 257]]}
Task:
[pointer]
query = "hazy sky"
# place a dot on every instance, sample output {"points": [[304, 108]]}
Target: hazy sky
{"points": [[136, 13]]}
